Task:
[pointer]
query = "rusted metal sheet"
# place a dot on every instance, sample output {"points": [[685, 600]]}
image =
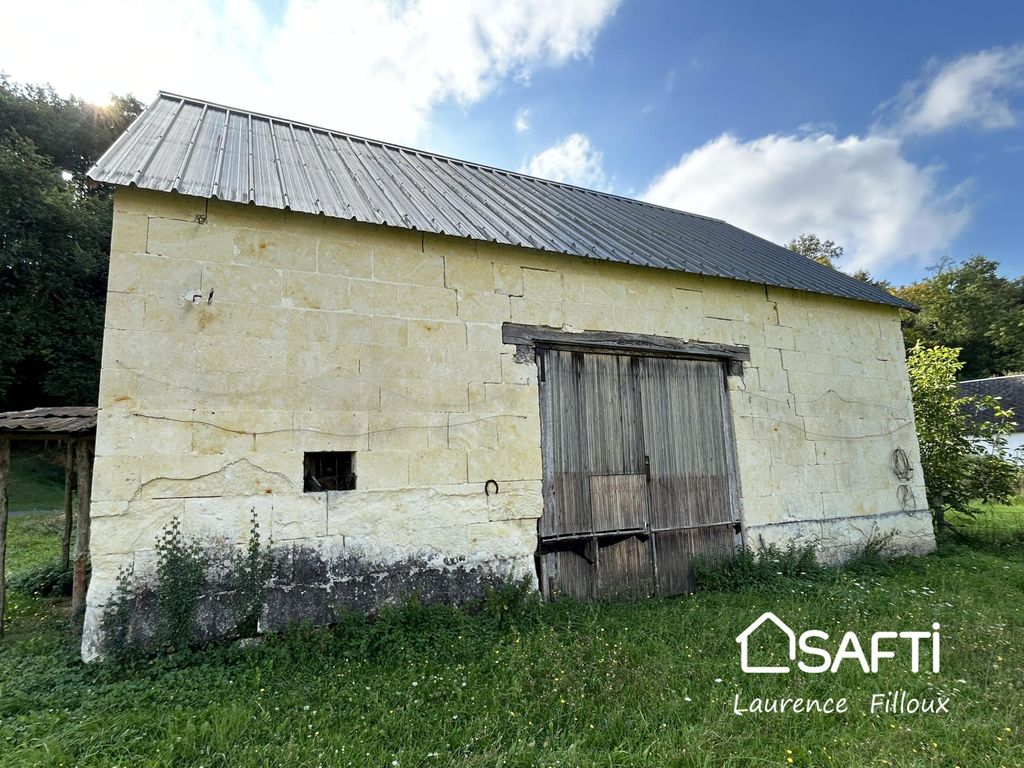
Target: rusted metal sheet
{"points": [[637, 472], [195, 147]]}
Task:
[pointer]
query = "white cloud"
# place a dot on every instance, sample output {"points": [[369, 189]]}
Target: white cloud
{"points": [[376, 68], [863, 192], [670, 81], [859, 191], [974, 90], [522, 122], [816, 127], [572, 160]]}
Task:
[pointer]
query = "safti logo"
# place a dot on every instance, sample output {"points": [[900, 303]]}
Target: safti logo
{"points": [[744, 640], [813, 644]]}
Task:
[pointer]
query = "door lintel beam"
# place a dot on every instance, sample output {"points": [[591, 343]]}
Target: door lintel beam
{"points": [[527, 338]]}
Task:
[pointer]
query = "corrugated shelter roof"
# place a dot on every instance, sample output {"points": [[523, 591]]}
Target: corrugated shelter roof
{"points": [[1009, 390], [48, 421], [208, 150]]}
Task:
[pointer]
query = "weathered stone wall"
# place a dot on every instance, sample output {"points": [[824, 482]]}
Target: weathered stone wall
{"points": [[330, 335]]}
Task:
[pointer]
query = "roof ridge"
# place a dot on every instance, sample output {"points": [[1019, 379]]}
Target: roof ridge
{"points": [[435, 155]]}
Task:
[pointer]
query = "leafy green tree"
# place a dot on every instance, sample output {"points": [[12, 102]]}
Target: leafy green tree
{"points": [[825, 252], [865, 277], [969, 306], [53, 265], [963, 459], [71, 132], [828, 253], [54, 244], [972, 307]]}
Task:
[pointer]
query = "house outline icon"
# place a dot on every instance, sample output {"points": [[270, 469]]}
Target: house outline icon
{"points": [[744, 637]]}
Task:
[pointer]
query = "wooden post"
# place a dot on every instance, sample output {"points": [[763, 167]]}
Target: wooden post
{"points": [[83, 467], [5, 477], [69, 516]]}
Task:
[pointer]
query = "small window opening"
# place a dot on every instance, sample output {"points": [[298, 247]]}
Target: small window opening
{"points": [[329, 471]]}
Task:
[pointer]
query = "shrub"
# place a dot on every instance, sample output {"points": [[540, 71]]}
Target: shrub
{"points": [[515, 604], [117, 616], [413, 627], [766, 564], [963, 458], [873, 556], [44, 581], [180, 582], [252, 570]]}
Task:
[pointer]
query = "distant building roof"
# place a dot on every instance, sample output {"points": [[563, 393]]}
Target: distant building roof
{"points": [[79, 421], [208, 150], [1009, 389]]}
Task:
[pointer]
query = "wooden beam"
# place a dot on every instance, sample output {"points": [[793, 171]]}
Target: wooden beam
{"points": [[531, 336], [83, 467], [5, 478], [69, 516]]}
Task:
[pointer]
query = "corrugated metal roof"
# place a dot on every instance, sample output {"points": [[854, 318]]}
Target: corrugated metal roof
{"points": [[71, 420], [208, 150]]}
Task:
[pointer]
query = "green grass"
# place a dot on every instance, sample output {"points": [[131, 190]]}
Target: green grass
{"points": [[36, 483], [33, 540], [992, 522], [644, 684]]}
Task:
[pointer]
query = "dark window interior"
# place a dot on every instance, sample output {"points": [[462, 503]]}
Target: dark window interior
{"points": [[329, 471]]}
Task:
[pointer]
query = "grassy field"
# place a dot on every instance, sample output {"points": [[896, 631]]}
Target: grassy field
{"points": [[644, 684], [36, 483]]}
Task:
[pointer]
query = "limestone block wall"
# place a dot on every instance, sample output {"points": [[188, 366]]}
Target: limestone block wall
{"points": [[238, 338]]}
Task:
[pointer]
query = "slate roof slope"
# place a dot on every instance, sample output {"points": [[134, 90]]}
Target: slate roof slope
{"points": [[61, 420], [1010, 390], [208, 150]]}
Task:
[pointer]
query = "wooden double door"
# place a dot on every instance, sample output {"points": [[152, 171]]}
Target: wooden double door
{"points": [[637, 473]]}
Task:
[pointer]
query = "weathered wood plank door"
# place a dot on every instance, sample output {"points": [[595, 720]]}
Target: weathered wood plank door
{"points": [[637, 479]]}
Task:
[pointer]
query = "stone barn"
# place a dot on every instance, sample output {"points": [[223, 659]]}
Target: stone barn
{"points": [[425, 375]]}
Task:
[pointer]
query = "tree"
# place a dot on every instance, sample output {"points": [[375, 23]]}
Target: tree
{"points": [[865, 277], [53, 266], [825, 252], [54, 244], [828, 253], [963, 459], [967, 306], [71, 132], [971, 307]]}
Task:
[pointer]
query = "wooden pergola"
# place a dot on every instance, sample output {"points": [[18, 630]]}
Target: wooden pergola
{"points": [[76, 428]]}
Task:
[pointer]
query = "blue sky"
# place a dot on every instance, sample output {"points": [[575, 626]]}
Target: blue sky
{"points": [[893, 128]]}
